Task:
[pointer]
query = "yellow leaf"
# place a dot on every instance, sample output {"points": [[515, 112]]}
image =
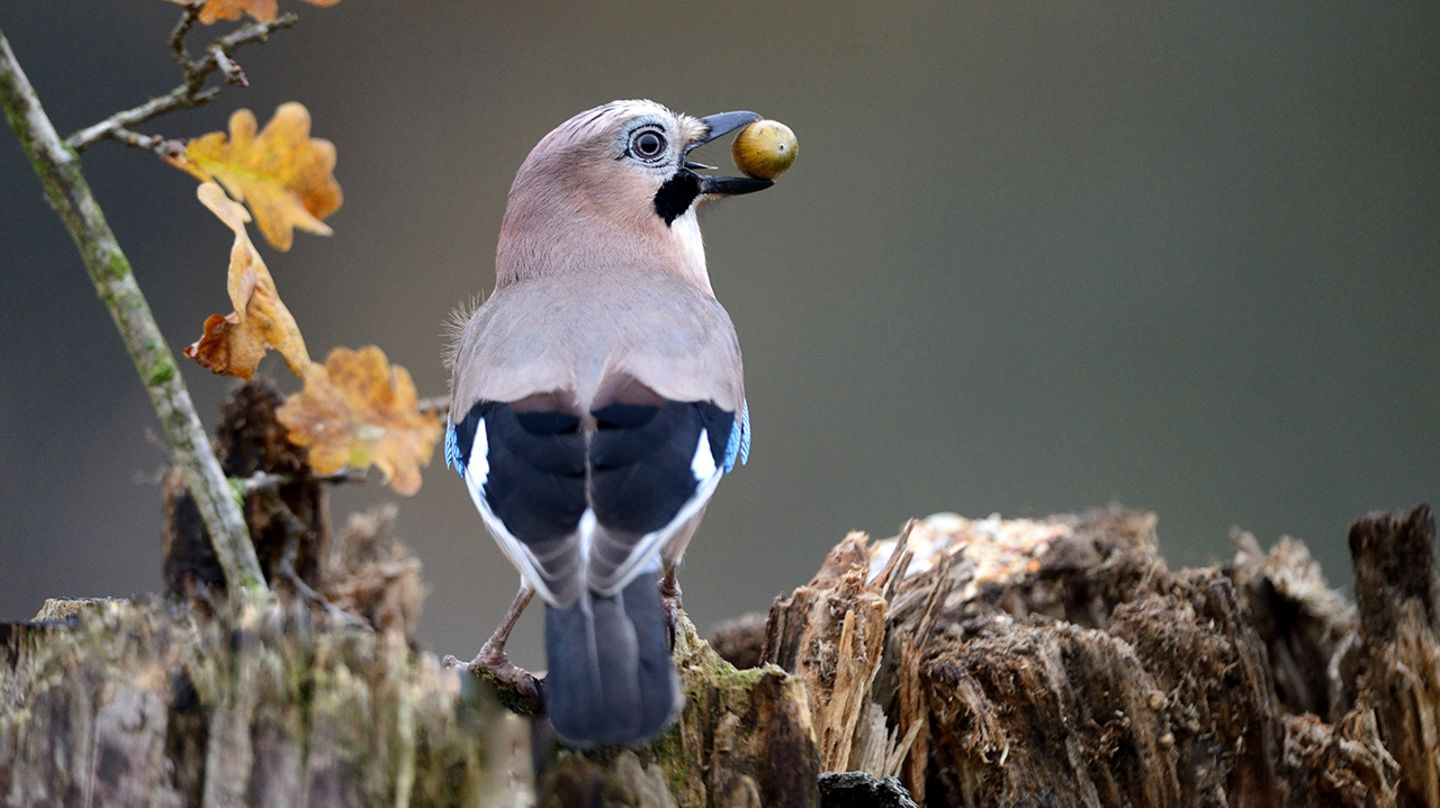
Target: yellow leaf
{"points": [[261, 10], [284, 175], [357, 410], [235, 343]]}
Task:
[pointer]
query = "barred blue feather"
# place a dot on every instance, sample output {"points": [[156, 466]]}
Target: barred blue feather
{"points": [[452, 450]]}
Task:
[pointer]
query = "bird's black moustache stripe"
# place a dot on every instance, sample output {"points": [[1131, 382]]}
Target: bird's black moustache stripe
{"points": [[676, 195]]}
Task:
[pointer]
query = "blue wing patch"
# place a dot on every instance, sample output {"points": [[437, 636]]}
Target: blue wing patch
{"points": [[738, 447], [452, 450]]}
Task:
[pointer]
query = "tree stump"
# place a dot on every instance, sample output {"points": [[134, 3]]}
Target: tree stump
{"points": [[1055, 662]]}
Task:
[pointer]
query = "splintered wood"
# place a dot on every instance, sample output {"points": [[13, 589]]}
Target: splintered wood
{"points": [[831, 635], [1059, 662], [1398, 591], [1016, 663]]}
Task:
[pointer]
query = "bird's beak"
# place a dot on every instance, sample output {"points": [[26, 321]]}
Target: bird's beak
{"points": [[718, 126]]}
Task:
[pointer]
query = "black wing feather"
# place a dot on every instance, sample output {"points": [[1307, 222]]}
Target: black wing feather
{"points": [[641, 459], [536, 483]]}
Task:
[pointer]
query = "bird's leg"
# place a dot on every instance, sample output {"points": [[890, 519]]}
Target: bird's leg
{"points": [[670, 598], [670, 587], [492, 663], [492, 653]]}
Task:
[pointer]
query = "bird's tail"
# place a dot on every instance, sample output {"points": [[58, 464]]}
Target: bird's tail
{"points": [[610, 678]]}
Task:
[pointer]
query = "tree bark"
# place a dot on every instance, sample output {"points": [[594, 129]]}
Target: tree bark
{"points": [[1053, 662], [58, 168]]}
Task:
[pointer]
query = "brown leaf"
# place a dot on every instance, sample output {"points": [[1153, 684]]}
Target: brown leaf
{"points": [[261, 10], [235, 343], [284, 175], [357, 410]]}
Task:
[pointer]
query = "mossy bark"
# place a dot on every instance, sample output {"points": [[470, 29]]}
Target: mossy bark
{"points": [[1060, 662], [1054, 662], [150, 703]]}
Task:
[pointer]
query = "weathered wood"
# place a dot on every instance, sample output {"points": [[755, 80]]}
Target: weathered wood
{"points": [[744, 738], [146, 703], [152, 703], [289, 523], [1061, 663], [1398, 594], [1343, 765], [1309, 629], [1052, 662]]}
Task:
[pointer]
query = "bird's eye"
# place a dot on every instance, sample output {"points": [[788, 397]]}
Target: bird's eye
{"points": [[648, 145]]}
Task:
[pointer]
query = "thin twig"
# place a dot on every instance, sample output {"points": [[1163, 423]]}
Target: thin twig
{"points": [[230, 70], [295, 531], [155, 143], [69, 194], [176, 99], [188, 18], [190, 94]]}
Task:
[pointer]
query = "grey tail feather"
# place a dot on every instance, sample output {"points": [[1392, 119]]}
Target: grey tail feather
{"points": [[610, 678]]}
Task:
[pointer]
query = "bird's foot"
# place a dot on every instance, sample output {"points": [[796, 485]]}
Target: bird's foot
{"points": [[670, 595], [517, 688], [672, 607]]}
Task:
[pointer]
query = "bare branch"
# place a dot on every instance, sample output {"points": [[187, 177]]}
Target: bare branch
{"points": [[193, 93], [231, 70], [154, 143], [69, 194], [188, 19], [177, 99]]}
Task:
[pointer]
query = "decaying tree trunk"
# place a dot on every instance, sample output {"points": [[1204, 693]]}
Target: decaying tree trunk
{"points": [[1053, 662], [138, 704]]}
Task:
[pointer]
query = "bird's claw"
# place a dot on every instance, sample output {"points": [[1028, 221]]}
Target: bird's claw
{"points": [[492, 657], [671, 607], [517, 688]]}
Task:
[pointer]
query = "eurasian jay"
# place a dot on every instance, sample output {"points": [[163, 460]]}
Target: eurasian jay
{"points": [[597, 399]]}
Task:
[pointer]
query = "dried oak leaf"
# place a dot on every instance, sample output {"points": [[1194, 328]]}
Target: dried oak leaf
{"points": [[284, 175], [235, 343], [261, 10], [357, 410]]}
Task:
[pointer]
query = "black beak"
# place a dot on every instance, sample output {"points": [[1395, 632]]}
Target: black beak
{"points": [[719, 126], [725, 123]]}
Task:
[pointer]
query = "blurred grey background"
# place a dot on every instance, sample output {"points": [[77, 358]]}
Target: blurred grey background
{"points": [[1033, 258]]}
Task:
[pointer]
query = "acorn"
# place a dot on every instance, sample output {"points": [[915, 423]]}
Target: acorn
{"points": [[765, 149]]}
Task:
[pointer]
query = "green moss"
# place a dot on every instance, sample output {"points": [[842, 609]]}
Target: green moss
{"points": [[15, 115], [668, 752], [728, 677], [162, 371], [117, 265], [237, 489]]}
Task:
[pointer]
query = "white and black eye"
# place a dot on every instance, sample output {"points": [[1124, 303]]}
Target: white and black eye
{"points": [[647, 144]]}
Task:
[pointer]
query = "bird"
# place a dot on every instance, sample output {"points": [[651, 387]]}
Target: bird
{"points": [[597, 399]]}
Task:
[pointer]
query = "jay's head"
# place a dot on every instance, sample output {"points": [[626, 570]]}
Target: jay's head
{"points": [[621, 176]]}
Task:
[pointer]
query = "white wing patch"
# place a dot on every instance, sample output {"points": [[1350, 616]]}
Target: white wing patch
{"points": [[644, 558], [476, 473], [647, 549], [704, 463]]}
